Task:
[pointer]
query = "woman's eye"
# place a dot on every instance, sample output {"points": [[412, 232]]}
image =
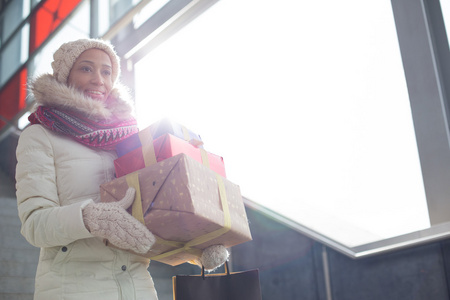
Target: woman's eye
{"points": [[86, 69], [107, 72]]}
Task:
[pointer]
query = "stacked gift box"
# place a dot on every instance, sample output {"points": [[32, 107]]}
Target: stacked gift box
{"points": [[183, 195], [159, 142]]}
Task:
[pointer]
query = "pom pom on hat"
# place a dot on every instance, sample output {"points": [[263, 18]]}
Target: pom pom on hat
{"points": [[67, 54]]}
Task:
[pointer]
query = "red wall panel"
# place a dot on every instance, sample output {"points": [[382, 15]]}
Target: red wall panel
{"points": [[47, 18], [12, 96], [43, 21]]}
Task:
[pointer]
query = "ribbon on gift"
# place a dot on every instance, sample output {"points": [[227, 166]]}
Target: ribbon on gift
{"points": [[136, 208], [185, 133], [148, 151], [187, 137], [204, 155], [133, 181]]}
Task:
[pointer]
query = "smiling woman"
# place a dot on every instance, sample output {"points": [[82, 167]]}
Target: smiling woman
{"points": [[91, 74], [62, 159], [309, 111]]}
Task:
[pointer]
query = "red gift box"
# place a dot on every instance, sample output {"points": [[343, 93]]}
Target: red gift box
{"points": [[164, 147]]}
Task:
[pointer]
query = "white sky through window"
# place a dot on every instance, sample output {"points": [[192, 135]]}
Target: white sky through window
{"points": [[307, 103]]}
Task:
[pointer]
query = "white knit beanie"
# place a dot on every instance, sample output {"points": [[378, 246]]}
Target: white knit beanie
{"points": [[67, 54]]}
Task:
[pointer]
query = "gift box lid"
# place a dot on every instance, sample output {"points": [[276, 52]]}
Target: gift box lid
{"points": [[164, 147], [156, 130], [167, 126]]}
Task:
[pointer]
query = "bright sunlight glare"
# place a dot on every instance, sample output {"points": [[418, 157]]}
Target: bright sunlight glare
{"points": [[309, 111]]}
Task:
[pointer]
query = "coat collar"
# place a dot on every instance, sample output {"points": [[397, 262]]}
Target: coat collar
{"points": [[47, 91]]}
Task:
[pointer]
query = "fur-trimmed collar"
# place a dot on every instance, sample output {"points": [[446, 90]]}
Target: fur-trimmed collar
{"points": [[47, 91]]}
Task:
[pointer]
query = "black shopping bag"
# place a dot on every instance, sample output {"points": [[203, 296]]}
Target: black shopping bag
{"points": [[242, 285]]}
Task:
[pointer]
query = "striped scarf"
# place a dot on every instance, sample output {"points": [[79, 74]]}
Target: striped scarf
{"points": [[102, 134]]}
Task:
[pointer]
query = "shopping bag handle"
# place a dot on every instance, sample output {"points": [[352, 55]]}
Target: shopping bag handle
{"points": [[227, 270]]}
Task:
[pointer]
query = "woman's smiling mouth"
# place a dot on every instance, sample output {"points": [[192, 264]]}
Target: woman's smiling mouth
{"points": [[95, 94]]}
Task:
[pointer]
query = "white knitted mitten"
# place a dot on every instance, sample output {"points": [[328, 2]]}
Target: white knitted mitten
{"points": [[112, 222], [213, 257]]}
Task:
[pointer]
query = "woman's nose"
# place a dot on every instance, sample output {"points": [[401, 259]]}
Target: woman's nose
{"points": [[97, 78]]}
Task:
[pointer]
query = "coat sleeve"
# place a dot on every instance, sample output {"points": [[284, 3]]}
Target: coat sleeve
{"points": [[44, 222]]}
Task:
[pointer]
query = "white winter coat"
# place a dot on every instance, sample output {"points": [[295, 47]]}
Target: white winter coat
{"points": [[56, 177]]}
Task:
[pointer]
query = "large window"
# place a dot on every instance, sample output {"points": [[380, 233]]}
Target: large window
{"points": [[307, 102]]}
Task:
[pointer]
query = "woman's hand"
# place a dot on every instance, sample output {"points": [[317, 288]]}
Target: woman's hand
{"points": [[213, 257], [112, 222]]}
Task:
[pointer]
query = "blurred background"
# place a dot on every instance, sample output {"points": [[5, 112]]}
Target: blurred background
{"points": [[331, 116]]}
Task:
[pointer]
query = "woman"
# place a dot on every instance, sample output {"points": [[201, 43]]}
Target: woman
{"points": [[63, 157]]}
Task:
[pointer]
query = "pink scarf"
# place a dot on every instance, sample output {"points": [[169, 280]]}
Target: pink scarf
{"points": [[102, 134]]}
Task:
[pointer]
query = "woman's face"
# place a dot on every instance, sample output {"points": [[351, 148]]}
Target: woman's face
{"points": [[91, 74]]}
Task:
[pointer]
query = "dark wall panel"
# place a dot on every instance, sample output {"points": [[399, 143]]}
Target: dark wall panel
{"points": [[291, 267], [8, 159], [445, 249], [286, 260], [416, 273]]}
